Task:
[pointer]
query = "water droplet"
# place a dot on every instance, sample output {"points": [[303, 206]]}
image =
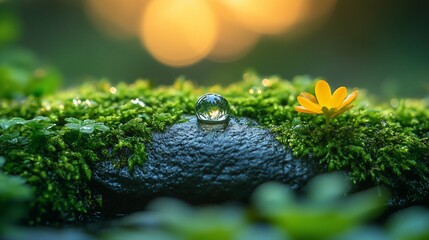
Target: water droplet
{"points": [[137, 101], [77, 101], [212, 108], [89, 102], [112, 90], [255, 91]]}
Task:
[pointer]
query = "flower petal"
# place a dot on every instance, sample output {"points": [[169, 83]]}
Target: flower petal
{"points": [[304, 110], [338, 97], [344, 109], [323, 93], [309, 105], [349, 99], [308, 96]]}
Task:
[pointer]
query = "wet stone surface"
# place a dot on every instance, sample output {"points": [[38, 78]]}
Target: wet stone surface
{"points": [[205, 163]]}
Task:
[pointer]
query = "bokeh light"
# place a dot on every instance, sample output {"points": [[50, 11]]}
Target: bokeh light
{"points": [[179, 32], [117, 18], [182, 32], [233, 41], [319, 9], [268, 16]]}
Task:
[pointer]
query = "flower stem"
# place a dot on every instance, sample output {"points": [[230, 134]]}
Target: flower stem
{"points": [[329, 113], [328, 120]]}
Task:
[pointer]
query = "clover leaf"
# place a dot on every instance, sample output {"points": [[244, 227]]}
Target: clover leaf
{"points": [[87, 126]]}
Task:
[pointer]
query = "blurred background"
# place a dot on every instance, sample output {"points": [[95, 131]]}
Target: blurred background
{"points": [[380, 45]]}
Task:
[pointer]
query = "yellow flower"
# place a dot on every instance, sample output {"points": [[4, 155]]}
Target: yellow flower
{"points": [[326, 103]]}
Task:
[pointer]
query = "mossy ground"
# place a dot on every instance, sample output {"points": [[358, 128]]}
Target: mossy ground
{"points": [[52, 141]]}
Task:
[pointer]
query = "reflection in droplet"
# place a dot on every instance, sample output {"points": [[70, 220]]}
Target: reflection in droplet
{"points": [[212, 108]]}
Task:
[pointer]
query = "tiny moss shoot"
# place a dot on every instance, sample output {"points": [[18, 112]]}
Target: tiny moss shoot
{"points": [[53, 141]]}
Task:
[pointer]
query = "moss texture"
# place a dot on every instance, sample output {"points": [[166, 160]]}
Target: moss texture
{"points": [[52, 141]]}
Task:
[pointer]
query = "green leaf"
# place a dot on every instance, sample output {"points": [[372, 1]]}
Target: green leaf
{"points": [[5, 124], [73, 126], [87, 126], [327, 187], [101, 127], [88, 122], [40, 118], [73, 120], [86, 129]]}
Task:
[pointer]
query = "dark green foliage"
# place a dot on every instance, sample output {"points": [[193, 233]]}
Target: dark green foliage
{"points": [[128, 143], [10, 26], [370, 145], [51, 163], [22, 74], [53, 141], [14, 197]]}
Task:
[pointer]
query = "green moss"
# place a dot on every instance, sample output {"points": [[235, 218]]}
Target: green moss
{"points": [[53, 141]]}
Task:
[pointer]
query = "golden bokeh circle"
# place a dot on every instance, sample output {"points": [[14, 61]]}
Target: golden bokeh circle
{"points": [[179, 32]]}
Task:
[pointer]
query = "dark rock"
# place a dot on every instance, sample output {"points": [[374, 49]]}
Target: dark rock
{"points": [[203, 163], [409, 191]]}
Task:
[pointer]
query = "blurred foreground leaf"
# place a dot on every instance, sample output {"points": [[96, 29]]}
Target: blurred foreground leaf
{"points": [[14, 199], [10, 28], [324, 214], [21, 74]]}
